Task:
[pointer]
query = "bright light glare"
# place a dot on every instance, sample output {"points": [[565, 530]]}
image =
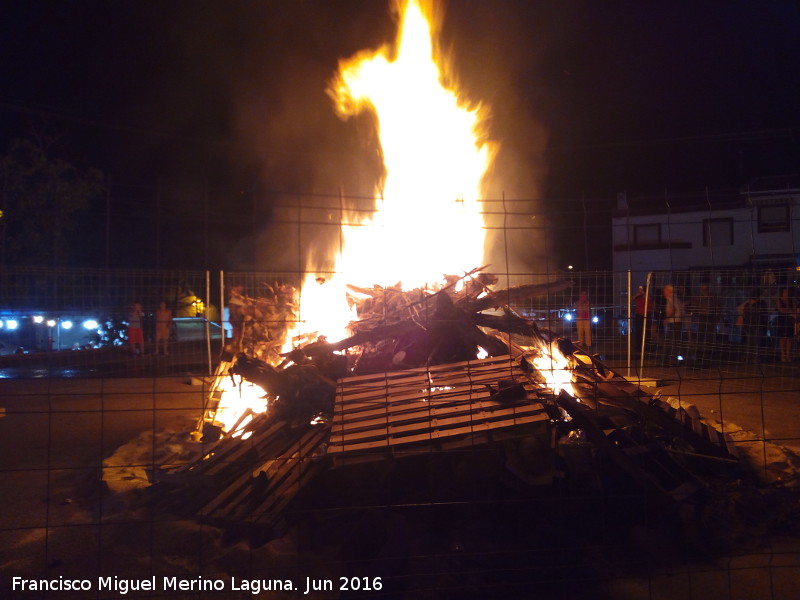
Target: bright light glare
{"points": [[38, 319], [680, 357], [11, 324], [1, 324], [595, 319], [51, 323], [90, 324], [66, 324], [568, 317]]}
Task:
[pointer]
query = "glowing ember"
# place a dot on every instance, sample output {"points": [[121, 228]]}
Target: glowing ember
{"points": [[555, 368], [236, 402]]}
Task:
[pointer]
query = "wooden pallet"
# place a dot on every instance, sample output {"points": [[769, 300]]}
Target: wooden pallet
{"points": [[645, 461], [446, 407], [695, 424], [425, 407], [214, 395], [247, 478]]}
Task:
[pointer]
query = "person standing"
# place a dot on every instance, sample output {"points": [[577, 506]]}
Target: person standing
{"points": [[163, 328], [754, 325], [135, 331], [706, 308], [784, 324], [583, 316], [674, 313], [642, 305]]}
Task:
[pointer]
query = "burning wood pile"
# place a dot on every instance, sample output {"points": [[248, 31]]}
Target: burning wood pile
{"points": [[422, 370]]}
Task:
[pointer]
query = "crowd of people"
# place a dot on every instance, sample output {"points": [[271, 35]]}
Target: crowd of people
{"points": [[759, 324], [135, 329]]}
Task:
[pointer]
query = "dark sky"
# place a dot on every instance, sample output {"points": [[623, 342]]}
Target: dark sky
{"points": [[227, 97]]}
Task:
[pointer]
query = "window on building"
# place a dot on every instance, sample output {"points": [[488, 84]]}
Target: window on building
{"points": [[646, 235], [773, 218], [717, 232]]}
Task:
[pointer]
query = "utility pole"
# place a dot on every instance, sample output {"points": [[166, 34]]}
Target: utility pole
{"points": [[158, 224], [108, 222]]}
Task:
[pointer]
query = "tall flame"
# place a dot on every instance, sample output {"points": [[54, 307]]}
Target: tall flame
{"points": [[427, 221]]}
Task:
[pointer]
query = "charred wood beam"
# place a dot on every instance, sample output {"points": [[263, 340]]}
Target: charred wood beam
{"points": [[508, 323], [613, 389], [582, 418], [301, 390], [362, 337], [515, 294]]}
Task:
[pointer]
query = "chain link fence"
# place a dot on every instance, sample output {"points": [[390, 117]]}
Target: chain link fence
{"points": [[695, 318], [77, 322], [86, 422]]}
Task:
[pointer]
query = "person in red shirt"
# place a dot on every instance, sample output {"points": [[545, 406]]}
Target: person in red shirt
{"points": [[641, 307], [135, 331], [583, 316]]}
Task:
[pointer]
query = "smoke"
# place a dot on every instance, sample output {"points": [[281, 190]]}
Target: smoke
{"points": [[305, 157], [499, 50]]}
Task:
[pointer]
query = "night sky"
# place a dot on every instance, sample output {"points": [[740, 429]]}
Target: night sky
{"points": [[210, 114]]}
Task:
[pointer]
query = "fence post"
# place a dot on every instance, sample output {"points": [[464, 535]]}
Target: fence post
{"points": [[208, 330], [630, 322], [222, 309], [644, 325]]}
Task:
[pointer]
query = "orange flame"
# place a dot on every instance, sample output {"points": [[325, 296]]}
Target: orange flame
{"points": [[554, 367], [428, 219]]}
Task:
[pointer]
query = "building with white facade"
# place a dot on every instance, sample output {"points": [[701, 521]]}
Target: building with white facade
{"points": [[754, 228]]}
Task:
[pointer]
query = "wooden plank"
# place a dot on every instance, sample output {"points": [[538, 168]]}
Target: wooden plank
{"points": [[271, 440], [242, 492], [443, 399], [389, 406], [351, 395], [437, 434], [228, 448], [421, 372], [470, 440], [309, 442], [270, 512], [226, 495], [406, 407], [395, 393], [425, 411], [395, 430], [425, 421]]}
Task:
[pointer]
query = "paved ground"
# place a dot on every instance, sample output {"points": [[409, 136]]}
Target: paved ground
{"points": [[55, 435], [59, 520]]}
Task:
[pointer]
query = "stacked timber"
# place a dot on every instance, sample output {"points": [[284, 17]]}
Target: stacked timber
{"points": [[409, 380], [434, 408], [249, 477], [260, 324]]}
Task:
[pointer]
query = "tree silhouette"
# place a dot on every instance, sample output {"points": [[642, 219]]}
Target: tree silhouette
{"points": [[42, 199]]}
